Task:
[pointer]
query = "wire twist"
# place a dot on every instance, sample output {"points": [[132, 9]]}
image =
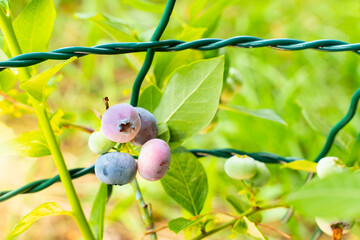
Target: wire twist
{"points": [[205, 44]]}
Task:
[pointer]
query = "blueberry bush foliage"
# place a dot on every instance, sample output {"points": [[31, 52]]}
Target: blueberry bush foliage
{"points": [[204, 143]]}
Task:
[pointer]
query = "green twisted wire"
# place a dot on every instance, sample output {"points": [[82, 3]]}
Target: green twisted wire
{"points": [[79, 172], [154, 45], [150, 53]]}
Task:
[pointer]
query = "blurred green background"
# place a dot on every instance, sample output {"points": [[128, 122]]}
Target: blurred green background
{"points": [[310, 90]]}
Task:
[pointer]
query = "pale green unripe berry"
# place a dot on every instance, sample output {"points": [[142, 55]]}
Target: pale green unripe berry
{"points": [[99, 144], [325, 225], [262, 175], [240, 167], [328, 166]]}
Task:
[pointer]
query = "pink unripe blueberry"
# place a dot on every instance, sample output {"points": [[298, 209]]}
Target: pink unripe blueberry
{"points": [[154, 159], [149, 128], [120, 123]]}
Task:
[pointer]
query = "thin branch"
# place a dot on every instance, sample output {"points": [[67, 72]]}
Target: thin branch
{"points": [[78, 127], [248, 212], [97, 114], [154, 231], [275, 230], [215, 230], [16, 103]]}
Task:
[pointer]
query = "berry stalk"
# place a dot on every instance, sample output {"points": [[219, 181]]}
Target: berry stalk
{"points": [[143, 207]]}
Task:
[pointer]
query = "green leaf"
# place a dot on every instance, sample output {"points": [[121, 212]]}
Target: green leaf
{"points": [[336, 196], [210, 17], [196, 7], [186, 181], [69, 117], [163, 132], [5, 6], [191, 98], [150, 98], [239, 205], [145, 5], [32, 144], [354, 154], [34, 25], [36, 85], [97, 214], [173, 60], [302, 165], [115, 27], [240, 226], [253, 230], [56, 120], [120, 31], [7, 80], [44, 210], [322, 126], [267, 114], [178, 224]]}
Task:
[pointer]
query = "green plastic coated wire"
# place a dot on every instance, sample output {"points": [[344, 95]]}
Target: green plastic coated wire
{"points": [[151, 52], [79, 172], [328, 45], [334, 131], [45, 183]]}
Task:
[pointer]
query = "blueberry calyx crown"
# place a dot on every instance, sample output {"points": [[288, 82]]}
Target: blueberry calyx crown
{"points": [[126, 126]]}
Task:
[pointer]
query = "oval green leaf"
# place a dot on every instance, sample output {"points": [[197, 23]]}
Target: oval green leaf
{"points": [[150, 98], [36, 85], [267, 114], [186, 181], [335, 196], [301, 165], [44, 210], [97, 215], [191, 98], [34, 25], [178, 224]]}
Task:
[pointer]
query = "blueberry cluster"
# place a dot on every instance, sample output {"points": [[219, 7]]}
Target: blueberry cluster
{"points": [[123, 123]]}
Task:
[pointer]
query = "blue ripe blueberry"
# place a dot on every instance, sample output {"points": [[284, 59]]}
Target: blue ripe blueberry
{"points": [[115, 168], [149, 128], [99, 144], [154, 159], [120, 123]]}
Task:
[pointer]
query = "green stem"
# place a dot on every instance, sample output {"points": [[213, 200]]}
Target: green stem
{"points": [[40, 110], [147, 218], [248, 212], [215, 230], [251, 194]]}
